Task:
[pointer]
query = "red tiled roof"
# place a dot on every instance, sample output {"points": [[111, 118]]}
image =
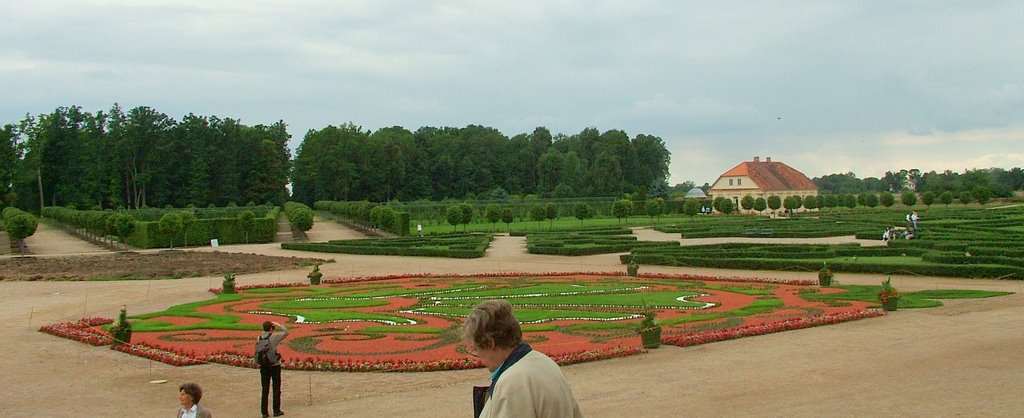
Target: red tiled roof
{"points": [[772, 175]]}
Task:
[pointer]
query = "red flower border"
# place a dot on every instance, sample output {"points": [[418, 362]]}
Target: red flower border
{"points": [[88, 330]]}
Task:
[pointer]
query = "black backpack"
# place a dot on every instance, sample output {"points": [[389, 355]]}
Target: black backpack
{"points": [[265, 357]]}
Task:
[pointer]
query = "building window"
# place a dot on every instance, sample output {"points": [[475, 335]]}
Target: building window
{"points": [[739, 182], [730, 182]]}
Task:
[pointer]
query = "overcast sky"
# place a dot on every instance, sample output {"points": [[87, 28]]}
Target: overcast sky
{"points": [[824, 86]]}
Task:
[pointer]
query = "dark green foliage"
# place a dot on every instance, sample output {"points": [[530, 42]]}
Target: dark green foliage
{"points": [[583, 211], [445, 245], [886, 199], [360, 213], [228, 285], [122, 330], [959, 243], [588, 241], [747, 203], [965, 197], [928, 198], [908, 300], [774, 203], [19, 225], [170, 225], [946, 197], [908, 198]]}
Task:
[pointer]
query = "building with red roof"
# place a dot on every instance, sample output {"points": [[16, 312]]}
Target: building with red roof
{"points": [[762, 179]]}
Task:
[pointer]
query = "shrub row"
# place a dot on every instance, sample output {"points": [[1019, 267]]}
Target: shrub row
{"points": [[299, 215], [147, 234], [946, 270], [371, 215], [154, 214], [450, 245], [224, 230]]}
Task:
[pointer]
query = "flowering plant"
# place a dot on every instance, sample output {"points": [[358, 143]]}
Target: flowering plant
{"points": [[888, 292]]}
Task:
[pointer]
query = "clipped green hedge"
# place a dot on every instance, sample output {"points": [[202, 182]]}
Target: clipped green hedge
{"points": [[225, 231], [361, 213], [944, 270], [448, 245]]}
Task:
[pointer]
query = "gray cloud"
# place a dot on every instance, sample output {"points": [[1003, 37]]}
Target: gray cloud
{"points": [[824, 86]]}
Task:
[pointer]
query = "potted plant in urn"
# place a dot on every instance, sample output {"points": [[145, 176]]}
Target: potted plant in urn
{"points": [[633, 267], [229, 284], [889, 296], [825, 276], [650, 331], [315, 275], [122, 331]]}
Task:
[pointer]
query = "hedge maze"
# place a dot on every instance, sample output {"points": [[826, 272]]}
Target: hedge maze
{"points": [[446, 245], [972, 243]]}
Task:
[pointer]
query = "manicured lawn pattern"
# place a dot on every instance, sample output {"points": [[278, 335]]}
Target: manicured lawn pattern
{"points": [[411, 323]]}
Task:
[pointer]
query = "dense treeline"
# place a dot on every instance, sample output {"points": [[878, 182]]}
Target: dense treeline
{"points": [[347, 163], [140, 158], [998, 182]]}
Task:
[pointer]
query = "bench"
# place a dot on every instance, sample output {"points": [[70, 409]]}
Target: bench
{"points": [[750, 231], [767, 231]]}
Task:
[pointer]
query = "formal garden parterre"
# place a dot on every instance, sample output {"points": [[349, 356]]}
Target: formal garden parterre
{"points": [[411, 322]]}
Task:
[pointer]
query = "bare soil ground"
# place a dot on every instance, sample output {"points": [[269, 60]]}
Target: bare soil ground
{"points": [[963, 359], [150, 265]]}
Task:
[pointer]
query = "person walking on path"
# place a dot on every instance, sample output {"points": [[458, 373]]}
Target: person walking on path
{"points": [[189, 394], [270, 369], [913, 219]]}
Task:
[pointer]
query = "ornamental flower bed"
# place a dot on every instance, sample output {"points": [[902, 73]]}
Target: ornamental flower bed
{"points": [[85, 330], [410, 323]]}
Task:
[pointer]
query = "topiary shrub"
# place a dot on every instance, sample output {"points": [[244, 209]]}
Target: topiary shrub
{"points": [[650, 331], [825, 276], [315, 275], [229, 284], [633, 268], [122, 331]]}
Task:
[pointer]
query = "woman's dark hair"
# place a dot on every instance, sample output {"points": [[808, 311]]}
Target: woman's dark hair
{"points": [[491, 325], [192, 390]]}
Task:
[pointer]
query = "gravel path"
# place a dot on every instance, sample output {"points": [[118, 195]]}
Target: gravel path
{"points": [[963, 359]]}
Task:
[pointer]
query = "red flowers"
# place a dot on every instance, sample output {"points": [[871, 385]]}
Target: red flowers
{"points": [[711, 336], [359, 342], [83, 330]]}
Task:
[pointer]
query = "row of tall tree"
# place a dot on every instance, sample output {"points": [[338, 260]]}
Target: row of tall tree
{"points": [[138, 158], [1002, 183], [348, 163]]}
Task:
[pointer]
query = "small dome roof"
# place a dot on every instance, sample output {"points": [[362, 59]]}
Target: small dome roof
{"points": [[696, 193]]}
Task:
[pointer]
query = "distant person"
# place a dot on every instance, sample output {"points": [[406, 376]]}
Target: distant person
{"points": [[524, 383], [419, 230], [887, 234], [913, 219], [909, 223], [270, 364], [189, 394]]}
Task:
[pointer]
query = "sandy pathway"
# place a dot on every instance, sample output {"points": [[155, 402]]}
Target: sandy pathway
{"points": [[963, 359]]}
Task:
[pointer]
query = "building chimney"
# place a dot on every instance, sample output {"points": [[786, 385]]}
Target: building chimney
{"points": [[767, 159], [757, 159]]}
